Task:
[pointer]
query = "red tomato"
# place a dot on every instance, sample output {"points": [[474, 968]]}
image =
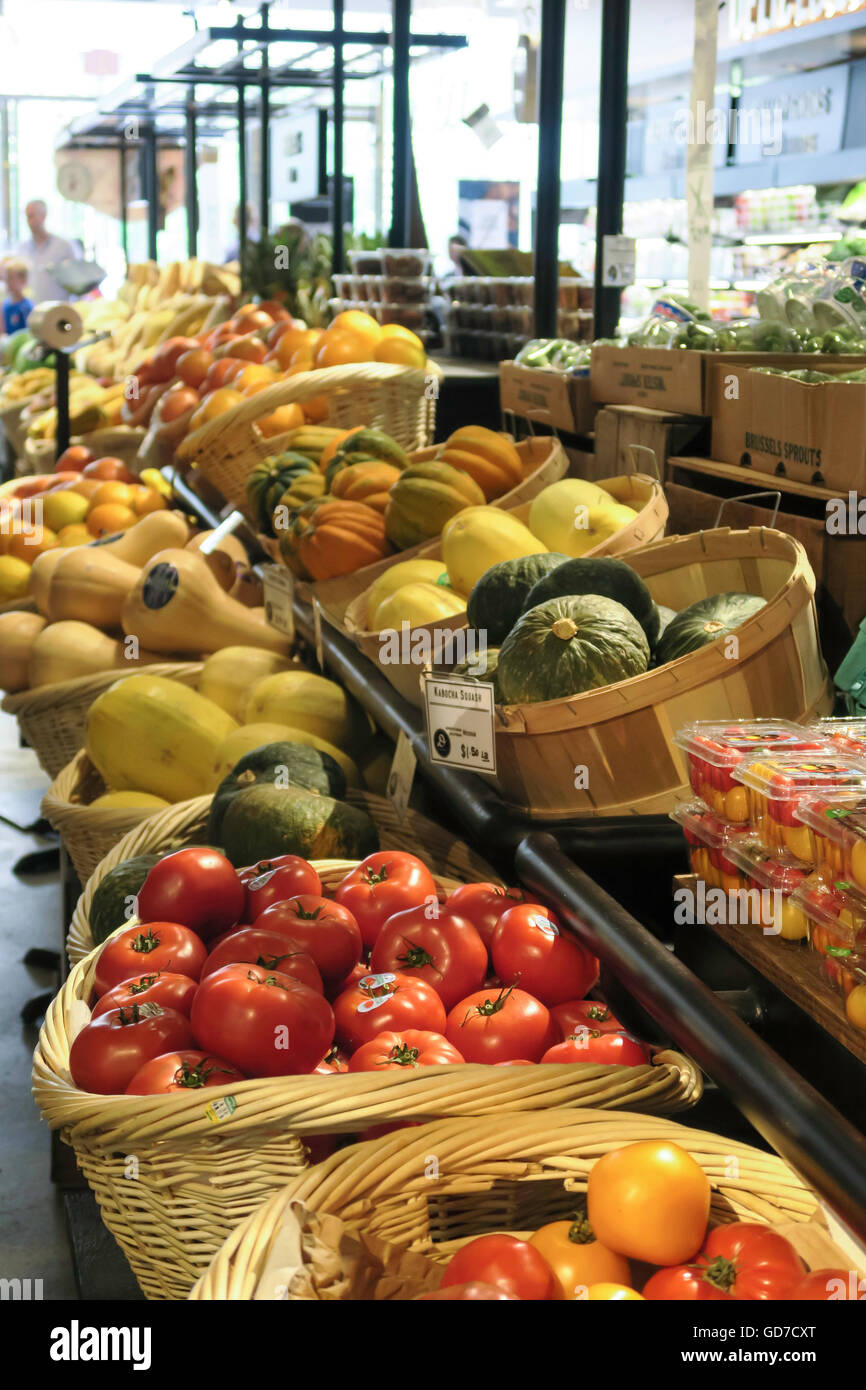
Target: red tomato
{"points": [[515, 1062], [501, 1027], [110, 1049], [166, 987], [109, 469], [269, 949], [333, 1063], [405, 1051], [182, 1071], [164, 360], [601, 1049], [445, 950], [264, 1022], [275, 881], [198, 887], [528, 946], [74, 458], [505, 1262], [466, 1293], [334, 988], [484, 904], [683, 1284], [139, 950], [751, 1261], [381, 885], [328, 931], [386, 1003], [584, 1013], [829, 1286]]}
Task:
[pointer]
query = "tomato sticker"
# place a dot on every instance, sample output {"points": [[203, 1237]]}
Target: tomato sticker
{"points": [[367, 1006], [545, 925], [376, 982], [262, 878]]}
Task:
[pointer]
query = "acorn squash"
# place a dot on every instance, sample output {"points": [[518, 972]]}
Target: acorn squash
{"points": [[424, 498], [269, 479], [369, 482], [365, 445], [600, 575], [264, 821], [480, 537], [489, 458], [702, 622], [499, 597], [330, 537], [306, 487], [567, 646]]}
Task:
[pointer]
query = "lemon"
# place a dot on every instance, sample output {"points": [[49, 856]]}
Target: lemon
{"points": [[60, 509], [14, 578]]}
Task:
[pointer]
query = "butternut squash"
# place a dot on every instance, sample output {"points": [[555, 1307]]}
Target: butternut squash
{"points": [[40, 576], [154, 532], [18, 632], [66, 651], [90, 586], [151, 734], [178, 605], [229, 543], [228, 675]]}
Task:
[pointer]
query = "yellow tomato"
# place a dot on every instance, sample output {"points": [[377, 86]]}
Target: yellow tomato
{"points": [[577, 1259], [855, 1006], [649, 1201], [613, 1293]]}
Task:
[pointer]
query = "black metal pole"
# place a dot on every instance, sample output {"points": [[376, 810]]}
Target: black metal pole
{"points": [[265, 134], [124, 219], [61, 360], [190, 178], [242, 172], [546, 261], [151, 186], [402, 24], [322, 152], [613, 119], [337, 201]]}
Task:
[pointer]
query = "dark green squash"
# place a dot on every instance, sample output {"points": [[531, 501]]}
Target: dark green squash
{"points": [[264, 821], [277, 764], [568, 646], [268, 481], [606, 576], [113, 901], [499, 597], [704, 621], [666, 616], [489, 660]]}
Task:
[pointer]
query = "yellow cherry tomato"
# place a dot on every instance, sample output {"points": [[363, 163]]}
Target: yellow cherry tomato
{"points": [[613, 1293], [855, 1006]]}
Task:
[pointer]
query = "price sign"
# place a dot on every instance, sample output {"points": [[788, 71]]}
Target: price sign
{"points": [[618, 261], [401, 776], [461, 723], [279, 586]]}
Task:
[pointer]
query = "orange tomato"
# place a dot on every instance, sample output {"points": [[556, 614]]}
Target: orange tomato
{"points": [[649, 1201], [26, 545], [396, 330], [149, 500], [192, 366], [340, 349], [109, 470], [86, 487], [108, 518], [73, 459], [613, 1293], [285, 417], [292, 339], [250, 318], [219, 374], [119, 493], [177, 402], [305, 365], [214, 404], [577, 1258], [250, 349], [251, 374], [360, 324]]}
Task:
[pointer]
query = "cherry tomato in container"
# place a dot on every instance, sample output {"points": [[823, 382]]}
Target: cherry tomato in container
{"points": [[600, 1049], [528, 946], [147, 950], [196, 887], [109, 1050], [829, 1286], [182, 1071], [262, 1021], [507, 1263], [384, 883], [749, 1260], [649, 1201], [269, 949], [468, 1293], [404, 1052], [164, 987], [484, 904], [387, 1003], [277, 880], [328, 931], [584, 1013], [445, 950], [503, 1026]]}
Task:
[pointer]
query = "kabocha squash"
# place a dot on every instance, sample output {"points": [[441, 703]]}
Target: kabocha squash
{"points": [[424, 498], [244, 740], [702, 622], [147, 733], [602, 575], [90, 586], [395, 576], [480, 537], [178, 606], [370, 483], [266, 821], [416, 604], [305, 700], [154, 532], [481, 668], [499, 597], [330, 537], [347, 765], [18, 633], [279, 765], [568, 646], [113, 901], [67, 651], [489, 458], [228, 675]]}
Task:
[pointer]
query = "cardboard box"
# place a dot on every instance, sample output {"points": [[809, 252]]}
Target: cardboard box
{"points": [[552, 398], [619, 428]]}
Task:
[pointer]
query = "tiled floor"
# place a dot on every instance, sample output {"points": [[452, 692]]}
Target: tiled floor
{"points": [[33, 1239]]}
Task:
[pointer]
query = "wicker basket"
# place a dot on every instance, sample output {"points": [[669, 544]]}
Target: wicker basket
{"points": [[13, 427], [53, 718], [399, 400], [440, 850], [510, 1173]]}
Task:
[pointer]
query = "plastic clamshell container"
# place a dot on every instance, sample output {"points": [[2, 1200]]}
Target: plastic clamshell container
{"points": [[365, 262], [708, 838], [837, 929], [405, 289], [405, 261], [776, 784], [849, 734], [776, 878], [837, 825], [715, 748]]}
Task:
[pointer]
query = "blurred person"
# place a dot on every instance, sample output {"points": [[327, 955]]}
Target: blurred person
{"points": [[43, 252], [17, 308], [233, 251]]}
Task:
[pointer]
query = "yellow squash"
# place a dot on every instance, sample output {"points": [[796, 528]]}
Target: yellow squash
{"points": [[406, 572], [120, 801], [479, 537], [303, 700], [230, 674], [416, 604]]}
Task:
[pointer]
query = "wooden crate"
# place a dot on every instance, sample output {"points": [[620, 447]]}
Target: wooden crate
{"points": [[620, 427]]}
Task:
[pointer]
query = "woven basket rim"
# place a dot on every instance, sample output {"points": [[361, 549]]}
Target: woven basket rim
{"points": [[40, 697]]}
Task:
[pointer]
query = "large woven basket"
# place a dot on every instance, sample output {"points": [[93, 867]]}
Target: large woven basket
{"points": [[439, 848], [509, 1173], [53, 718], [399, 400]]}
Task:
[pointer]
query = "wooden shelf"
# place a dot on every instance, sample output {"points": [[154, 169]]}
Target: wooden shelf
{"points": [[751, 477]]}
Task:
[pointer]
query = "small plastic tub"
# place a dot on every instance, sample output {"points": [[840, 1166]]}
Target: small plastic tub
{"points": [[359, 287], [365, 262], [772, 881], [849, 734], [716, 748], [409, 315], [397, 289], [708, 838], [837, 825], [343, 286], [837, 929], [405, 261], [569, 296], [777, 783]]}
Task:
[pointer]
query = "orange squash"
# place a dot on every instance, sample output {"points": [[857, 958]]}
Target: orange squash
{"points": [[333, 445], [330, 537], [369, 483], [489, 458]]}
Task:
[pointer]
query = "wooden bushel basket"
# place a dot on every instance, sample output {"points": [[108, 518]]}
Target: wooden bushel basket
{"points": [[618, 740], [509, 1174], [399, 400], [637, 490]]}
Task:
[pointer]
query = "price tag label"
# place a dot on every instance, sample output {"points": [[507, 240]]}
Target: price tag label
{"points": [[317, 634], [401, 776], [279, 586], [618, 261], [461, 723]]}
